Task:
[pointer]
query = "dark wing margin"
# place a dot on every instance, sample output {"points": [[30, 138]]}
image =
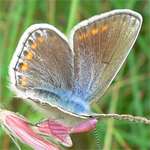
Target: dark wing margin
{"points": [[101, 45], [42, 60]]}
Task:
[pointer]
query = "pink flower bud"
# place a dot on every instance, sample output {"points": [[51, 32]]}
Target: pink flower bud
{"points": [[22, 129], [58, 130], [84, 126]]}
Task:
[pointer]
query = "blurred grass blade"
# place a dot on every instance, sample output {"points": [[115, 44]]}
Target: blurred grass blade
{"points": [[72, 14]]}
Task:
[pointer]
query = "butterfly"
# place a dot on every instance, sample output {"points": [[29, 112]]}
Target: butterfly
{"points": [[64, 76]]}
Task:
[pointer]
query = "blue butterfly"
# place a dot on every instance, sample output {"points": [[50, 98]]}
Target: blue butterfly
{"points": [[64, 76]]}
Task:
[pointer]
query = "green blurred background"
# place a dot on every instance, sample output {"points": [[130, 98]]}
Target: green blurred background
{"points": [[129, 93]]}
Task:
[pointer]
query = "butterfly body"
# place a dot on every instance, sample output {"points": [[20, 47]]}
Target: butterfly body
{"points": [[54, 113], [64, 101]]}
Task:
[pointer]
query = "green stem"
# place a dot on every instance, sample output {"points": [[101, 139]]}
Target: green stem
{"points": [[72, 14]]}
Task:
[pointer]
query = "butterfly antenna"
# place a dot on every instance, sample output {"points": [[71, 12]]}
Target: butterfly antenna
{"points": [[98, 145], [130, 118]]}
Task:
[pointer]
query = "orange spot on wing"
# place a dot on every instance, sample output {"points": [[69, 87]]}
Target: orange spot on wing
{"points": [[24, 66], [40, 39], [34, 45], [89, 33], [23, 81], [94, 31], [29, 55], [83, 36], [103, 28]]}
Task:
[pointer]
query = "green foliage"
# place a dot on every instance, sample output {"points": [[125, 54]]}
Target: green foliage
{"points": [[130, 93]]}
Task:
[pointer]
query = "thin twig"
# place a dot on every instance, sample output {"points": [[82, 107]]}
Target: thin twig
{"points": [[125, 117]]}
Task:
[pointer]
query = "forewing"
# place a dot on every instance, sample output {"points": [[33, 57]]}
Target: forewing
{"points": [[43, 61], [101, 45]]}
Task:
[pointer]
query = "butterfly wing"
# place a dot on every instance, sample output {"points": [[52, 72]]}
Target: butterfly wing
{"points": [[101, 45], [42, 64]]}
